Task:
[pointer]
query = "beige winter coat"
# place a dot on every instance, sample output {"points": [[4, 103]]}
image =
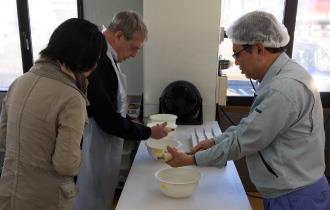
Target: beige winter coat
{"points": [[42, 122]]}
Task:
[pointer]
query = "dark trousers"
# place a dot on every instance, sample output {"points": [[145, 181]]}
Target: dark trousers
{"points": [[313, 197]]}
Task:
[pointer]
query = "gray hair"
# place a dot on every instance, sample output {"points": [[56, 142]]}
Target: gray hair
{"points": [[128, 22]]}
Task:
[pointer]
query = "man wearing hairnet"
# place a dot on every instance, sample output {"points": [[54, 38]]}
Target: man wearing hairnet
{"points": [[283, 137]]}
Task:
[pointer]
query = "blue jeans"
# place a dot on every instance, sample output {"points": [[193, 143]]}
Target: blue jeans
{"points": [[313, 197]]}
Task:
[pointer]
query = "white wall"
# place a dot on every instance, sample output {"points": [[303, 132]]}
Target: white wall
{"points": [[101, 12], [182, 45]]}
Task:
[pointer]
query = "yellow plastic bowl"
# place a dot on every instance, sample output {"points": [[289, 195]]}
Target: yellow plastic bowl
{"points": [[157, 148]]}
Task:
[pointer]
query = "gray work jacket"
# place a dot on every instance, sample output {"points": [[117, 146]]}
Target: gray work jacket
{"points": [[283, 136]]}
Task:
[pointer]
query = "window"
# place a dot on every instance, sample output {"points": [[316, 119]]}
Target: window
{"points": [[311, 46], [10, 52], [56, 12], [26, 28], [238, 85], [308, 23]]}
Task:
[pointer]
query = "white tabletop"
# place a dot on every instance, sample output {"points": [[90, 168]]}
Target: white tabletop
{"points": [[217, 188]]}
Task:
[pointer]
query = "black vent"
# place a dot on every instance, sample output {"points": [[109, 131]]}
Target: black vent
{"points": [[183, 99]]}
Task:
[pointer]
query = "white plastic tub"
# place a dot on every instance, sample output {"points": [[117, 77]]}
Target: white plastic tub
{"points": [[178, 182], [170, 118]]}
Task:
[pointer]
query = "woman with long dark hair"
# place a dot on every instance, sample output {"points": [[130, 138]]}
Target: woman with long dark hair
{"points": [[42, 121]]}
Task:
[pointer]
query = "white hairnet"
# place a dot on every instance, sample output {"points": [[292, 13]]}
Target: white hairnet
{"points": [[261, 27]]}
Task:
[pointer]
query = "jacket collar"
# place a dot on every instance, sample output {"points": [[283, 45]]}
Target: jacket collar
{"points": [[111, 53], [52, 69], [274, 69]]}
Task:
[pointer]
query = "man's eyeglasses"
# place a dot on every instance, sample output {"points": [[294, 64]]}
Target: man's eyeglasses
{"points": [[236, 54]]}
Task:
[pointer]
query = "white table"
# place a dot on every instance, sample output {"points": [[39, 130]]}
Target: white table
{"points": [[217, 189]]}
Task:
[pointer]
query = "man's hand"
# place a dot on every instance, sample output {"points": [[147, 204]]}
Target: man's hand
{"points": [[179, 158], [159, 131], [203, 145]]}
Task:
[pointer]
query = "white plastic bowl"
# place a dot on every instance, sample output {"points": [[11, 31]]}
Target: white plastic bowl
{"points": [[157, 148], [169, 118], [169, 124], [178, 182]]}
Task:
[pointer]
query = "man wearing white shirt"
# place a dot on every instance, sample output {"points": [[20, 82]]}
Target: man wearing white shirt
{"points": [[108, 123]]}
